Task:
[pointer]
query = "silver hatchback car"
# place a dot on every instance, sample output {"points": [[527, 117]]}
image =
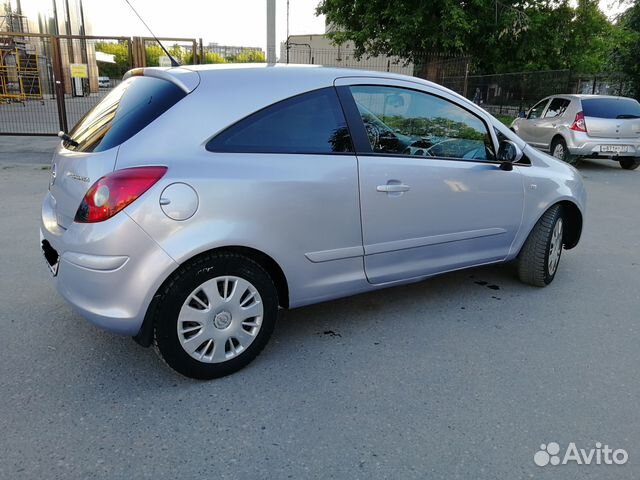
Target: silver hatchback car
{"points": [[572, 127], [192, 203]]}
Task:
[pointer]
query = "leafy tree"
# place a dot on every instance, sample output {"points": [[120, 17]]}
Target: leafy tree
{"points": [[152, 54], [626, 55], [247, 56], [500, 35], [212, 57], [120, 50]]}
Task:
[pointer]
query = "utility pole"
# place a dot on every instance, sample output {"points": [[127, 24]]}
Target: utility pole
{"points": [[271, 31]]}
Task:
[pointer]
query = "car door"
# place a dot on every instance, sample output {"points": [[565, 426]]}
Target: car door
{"points": [[432, 196], [546, 126], [529, 127]]}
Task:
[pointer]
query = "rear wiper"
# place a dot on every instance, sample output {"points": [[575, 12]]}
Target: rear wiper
{"points": [[628, 115], [68, 139]]}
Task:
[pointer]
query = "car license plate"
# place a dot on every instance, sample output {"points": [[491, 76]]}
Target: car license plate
{"points": [[51, 256], [614, 148]]}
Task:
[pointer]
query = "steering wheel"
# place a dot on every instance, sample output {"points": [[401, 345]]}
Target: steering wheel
{"points": [[373, 132]]}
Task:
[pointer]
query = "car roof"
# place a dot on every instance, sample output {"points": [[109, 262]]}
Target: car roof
{"points": [[584, 96], [315, 74], [284, 77], [284, 69]]}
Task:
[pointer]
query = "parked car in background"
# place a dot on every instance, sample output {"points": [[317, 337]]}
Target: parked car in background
{"points": [[188, 226], [571, 127], [104, 82]]}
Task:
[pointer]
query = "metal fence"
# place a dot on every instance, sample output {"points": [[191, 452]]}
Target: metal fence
{"points": [[47, 82], [433, 66], [504, 94], [510, 93]]}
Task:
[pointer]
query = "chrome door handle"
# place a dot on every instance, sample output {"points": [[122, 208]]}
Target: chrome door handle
{"points": [[393, 188]]}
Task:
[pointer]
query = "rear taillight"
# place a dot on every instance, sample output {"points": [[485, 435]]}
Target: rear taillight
{"points": [[115, 191], [579, 124]]}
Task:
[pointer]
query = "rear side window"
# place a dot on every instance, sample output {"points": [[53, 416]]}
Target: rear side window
{"points": [[309, 123], [557, 107], [611, 108], [126, 110]]}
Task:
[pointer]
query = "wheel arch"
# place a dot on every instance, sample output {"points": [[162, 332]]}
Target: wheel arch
{"points": [[557, 136], [144, 336], [573, 223]]}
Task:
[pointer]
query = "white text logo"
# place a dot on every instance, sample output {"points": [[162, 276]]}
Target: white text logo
{"points": [[549, 454]]}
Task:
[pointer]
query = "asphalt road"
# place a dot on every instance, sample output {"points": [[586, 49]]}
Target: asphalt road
{"points": [[451, 378]]}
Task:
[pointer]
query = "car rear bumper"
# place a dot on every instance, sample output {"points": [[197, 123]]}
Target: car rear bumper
{"points": [[580, 144], [107, 271]]}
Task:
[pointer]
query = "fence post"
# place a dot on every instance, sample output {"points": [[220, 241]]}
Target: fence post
{"points": [[130, 53], [593, 89], [466, 80], [58, 77], [201, 56], [139, 54]]}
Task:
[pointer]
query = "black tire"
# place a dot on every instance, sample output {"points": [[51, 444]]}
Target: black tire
{"points": [[533, 260], [566, 156], [174, 294], [630, 163]]}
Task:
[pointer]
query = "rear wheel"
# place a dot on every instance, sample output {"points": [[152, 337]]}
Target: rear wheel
{"points": [[560, 151], [630, 163], [215, 315], [539, 258]]}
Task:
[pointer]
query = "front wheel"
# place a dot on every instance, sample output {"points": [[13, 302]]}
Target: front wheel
{"points": [[539, 258], [630, 163], [560, 151], [215, 315]]}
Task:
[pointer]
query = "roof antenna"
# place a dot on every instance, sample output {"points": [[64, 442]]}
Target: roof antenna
{"points": [[174, 62]]}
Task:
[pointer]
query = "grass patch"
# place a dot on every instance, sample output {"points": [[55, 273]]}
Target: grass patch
{"points": [[506, 119]]}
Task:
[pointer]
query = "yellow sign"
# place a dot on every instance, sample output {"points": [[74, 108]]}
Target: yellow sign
{"points": [[79, 70]]}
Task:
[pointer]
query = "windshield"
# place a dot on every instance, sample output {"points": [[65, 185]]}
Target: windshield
{"points": [[126, 110], [611, 107]]}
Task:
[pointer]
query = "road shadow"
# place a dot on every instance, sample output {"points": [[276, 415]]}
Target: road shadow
{"points": [[447, 292]]}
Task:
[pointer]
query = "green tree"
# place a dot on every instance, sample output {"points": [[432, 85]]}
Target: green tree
{"points": [[212, 57], [500, 35], [120, 50], [626, 56], [247, 56]]}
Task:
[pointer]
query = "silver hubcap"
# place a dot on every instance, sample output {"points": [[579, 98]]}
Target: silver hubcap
{"points": [[558, 151], [555, 248], [220, 319]]}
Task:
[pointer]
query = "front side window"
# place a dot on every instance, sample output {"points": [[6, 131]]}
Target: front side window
{"points": [[537, 109], [556, 108], [407, 122], [126, 110], [311, 123]]}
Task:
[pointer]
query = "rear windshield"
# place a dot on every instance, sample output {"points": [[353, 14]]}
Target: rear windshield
{"points": [[611, 108], [126, 110]]}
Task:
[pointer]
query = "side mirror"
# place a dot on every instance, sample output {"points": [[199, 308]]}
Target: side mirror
{"points": [[508, 154]]}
